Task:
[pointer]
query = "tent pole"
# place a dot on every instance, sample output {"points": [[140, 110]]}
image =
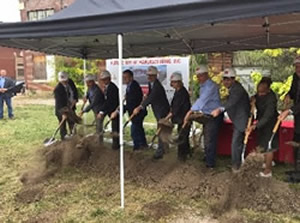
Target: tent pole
{"points": [[85, 87], [120, 78]]}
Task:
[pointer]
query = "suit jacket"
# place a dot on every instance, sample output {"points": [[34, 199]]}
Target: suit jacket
{"points": [[96, 99], [158, 99], [238, 106], [180, 105], [134, 97], [9, 84], [294, 94], [73, 89], [111, 102], [266, 110], [61, 98]]}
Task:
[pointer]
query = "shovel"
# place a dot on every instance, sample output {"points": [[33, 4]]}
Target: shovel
{"points": [[48, 142], [248, 133], [126, 123], [246, 139], [155, 136], [273, 134]]}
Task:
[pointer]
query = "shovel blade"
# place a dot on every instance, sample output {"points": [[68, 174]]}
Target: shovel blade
{"points": [[48, 142]]}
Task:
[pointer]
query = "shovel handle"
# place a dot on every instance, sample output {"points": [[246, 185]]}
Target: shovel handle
{"points": [[276, 126], [130, 118], [60, 124]]}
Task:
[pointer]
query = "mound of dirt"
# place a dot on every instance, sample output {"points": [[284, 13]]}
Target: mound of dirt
{"points": [[157, 209], [225, 191], [165, 130], [247, 190], [51, 159], [29, 195]]}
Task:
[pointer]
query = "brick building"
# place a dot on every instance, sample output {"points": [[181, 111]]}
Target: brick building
{"points": [[12, 61], [39, 69]]}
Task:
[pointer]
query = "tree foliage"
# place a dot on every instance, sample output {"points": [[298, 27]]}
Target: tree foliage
{"points": [[75, 68]]}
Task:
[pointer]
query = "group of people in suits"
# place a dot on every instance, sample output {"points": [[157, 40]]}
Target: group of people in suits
{"points": [[104, 101]]}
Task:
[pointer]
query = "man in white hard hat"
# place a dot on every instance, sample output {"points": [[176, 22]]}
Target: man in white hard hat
{"points": [[209, 99], [111, 104], [180, 105], [66, 95], [158, 99], [96, 100], [294, 110], [238, 108]]}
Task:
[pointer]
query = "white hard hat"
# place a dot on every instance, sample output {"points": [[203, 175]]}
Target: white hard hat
{"points": [[297, 60], [201, 69], [63, 76], [89, 77], [105, 74], [229, 72], [176, 76], [152, 70]]}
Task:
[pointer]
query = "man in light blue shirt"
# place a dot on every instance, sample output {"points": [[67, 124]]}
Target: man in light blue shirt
{"points": [[6, 94], [208, 100]]}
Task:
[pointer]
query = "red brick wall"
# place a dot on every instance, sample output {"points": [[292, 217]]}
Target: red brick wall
{"points": [[33, 5], [220, 61], [7, 60]]}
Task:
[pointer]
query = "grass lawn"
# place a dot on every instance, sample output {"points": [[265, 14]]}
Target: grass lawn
{"points": [[77, 195]]}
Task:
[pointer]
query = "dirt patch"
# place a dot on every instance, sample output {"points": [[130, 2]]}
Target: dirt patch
{"points": [[45, 217], [51, 159], [225, 191], [30, 194], [157, 209], [247, 190], [165, 130]]}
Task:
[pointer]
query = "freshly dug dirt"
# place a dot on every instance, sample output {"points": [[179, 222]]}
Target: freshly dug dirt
{"points": [[165, 132], [157, 209], [225, 191], [29, 195]]}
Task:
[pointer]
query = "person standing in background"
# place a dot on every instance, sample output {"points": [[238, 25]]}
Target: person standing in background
{"points": [[5, 94]]}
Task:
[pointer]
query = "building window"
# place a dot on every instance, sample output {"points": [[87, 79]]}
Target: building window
{"points": [[39, 14], [39, 68], [19, 68]]}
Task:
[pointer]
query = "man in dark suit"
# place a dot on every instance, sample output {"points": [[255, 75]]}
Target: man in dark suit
{"points": [[294, 94], [6, 94], [134, 97], [180, 106], [158, 99], [238, 108], [96, 100], [66, 96], [111, 104]]}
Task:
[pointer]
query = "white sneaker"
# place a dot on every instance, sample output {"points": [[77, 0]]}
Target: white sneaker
{"points": [[268, 175], [264, 165]]}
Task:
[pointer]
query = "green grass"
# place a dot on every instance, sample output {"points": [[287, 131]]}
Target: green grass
{"points": [[87, 197]]}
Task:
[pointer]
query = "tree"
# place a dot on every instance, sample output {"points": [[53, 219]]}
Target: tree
{"points": [[74, 67]]}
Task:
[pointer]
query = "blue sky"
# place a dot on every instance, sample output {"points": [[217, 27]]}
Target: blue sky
{"points": [[9, 11]]}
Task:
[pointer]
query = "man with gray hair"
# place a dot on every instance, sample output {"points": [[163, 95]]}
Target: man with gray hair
{"points": [[111, 104], [66, 96], [238, 108], [158, 99], [96, 100], [209, 99]]}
